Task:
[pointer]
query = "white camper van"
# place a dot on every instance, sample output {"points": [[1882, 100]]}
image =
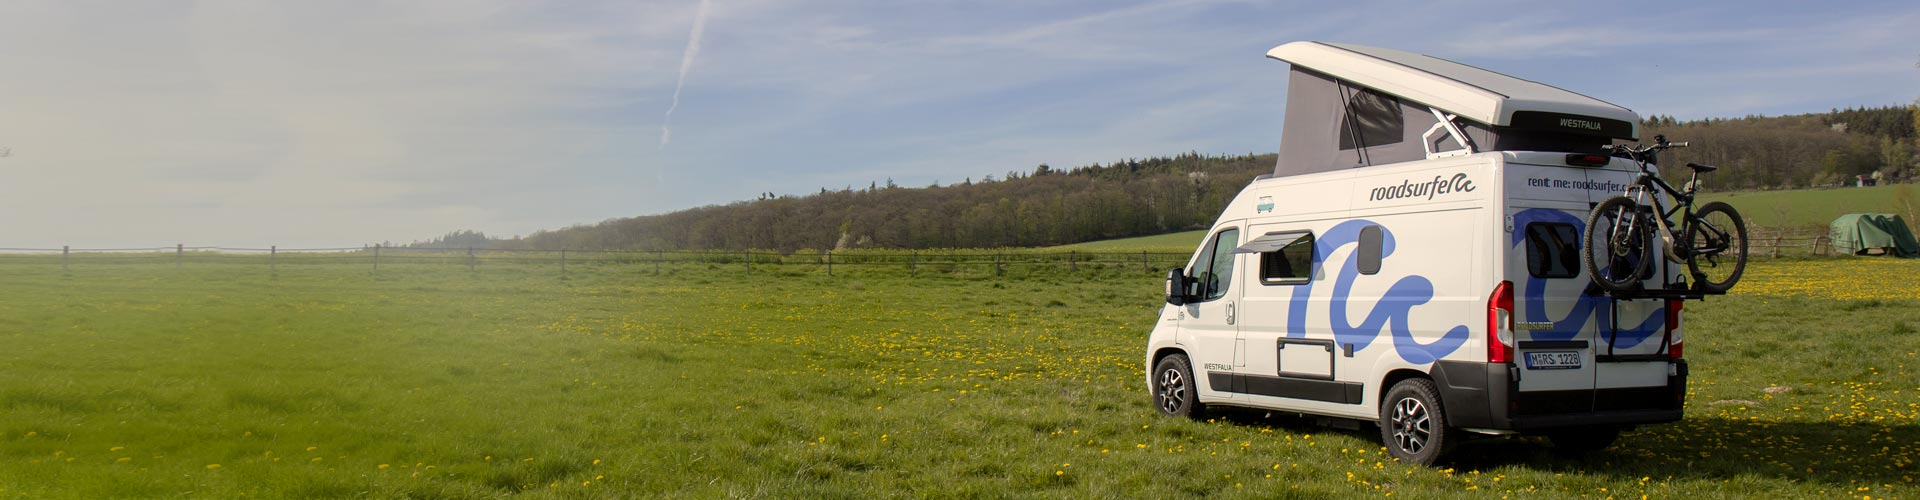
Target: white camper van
{"points": [[1414, 261]]}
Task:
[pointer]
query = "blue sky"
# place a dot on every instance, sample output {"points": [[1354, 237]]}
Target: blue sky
{"points": [[340, 123]]}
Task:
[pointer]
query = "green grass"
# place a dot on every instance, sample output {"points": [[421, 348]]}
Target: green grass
{"points": [[1808, 207], [1170, 242], [427, 381]]}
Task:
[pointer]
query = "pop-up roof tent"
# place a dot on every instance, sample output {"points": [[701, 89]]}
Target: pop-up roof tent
{"points": [[1353, 106], [1858, 233]]}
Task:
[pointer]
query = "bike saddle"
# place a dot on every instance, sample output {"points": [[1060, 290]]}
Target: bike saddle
{"points": [[1702, 168]]}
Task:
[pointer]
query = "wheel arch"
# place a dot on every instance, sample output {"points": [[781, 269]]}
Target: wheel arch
{"points": [[1394, 377], [1163, 352]]}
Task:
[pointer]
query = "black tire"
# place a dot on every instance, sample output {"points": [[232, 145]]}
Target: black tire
{"points": [[1717, 247], [1175, 392], [1413, 423], [1619, 241], [1583, 440]]}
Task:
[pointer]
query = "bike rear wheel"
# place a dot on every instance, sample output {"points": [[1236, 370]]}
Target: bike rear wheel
{"points": [[1619, 241], [1716, 247]]}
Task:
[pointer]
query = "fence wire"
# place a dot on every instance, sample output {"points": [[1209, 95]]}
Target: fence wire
{"points": [[998, 261]]}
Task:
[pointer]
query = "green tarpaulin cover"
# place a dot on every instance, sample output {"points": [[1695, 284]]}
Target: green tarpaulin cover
{"points": [[1857, 233]]}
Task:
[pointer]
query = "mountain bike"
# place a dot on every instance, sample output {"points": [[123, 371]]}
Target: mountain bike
{"points": [[1712, 240]]}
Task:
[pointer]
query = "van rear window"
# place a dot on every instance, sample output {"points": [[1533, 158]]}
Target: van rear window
{"points": [[1553, 250]]}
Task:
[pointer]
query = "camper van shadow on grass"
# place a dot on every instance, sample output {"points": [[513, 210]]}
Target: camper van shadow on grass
{"points": [[1414, 261]]}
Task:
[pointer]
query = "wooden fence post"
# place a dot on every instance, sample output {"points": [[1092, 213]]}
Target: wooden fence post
{"points": [[829, 263], [470, 259], [913, 263], [179, 251], [748, 255], [1144, 265], [563, 262], [997, 269], [376, 257], [272, 251], [64, 250], [1775, 253], [1072, 256], [657, 255]]}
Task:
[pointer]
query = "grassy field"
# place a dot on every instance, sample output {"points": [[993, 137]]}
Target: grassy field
{"points": [[1810, 207], [427, 381]]}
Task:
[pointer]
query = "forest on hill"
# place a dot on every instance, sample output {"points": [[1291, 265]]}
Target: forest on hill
{"points": [[1137, 197], [1797, 151], [1042, 207]]}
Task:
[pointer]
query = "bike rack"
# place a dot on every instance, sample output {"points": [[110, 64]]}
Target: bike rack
{"points": [[1669, 290]]}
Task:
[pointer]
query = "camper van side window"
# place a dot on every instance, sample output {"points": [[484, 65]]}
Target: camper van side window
{"points": [[1372, 119], [1212, 270], [1371, 240], [1221, 276], [1290, 265], [1553, 250]]}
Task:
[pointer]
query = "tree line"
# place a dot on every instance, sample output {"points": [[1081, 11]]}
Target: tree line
{"points": [[1137, 197], [1046, 206], [1797, 151]]}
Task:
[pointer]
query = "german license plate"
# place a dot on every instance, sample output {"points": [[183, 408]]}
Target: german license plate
{"points": [[1553, 360]]}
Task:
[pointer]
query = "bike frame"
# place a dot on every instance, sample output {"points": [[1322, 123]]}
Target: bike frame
{"points": [[1650, 181]]}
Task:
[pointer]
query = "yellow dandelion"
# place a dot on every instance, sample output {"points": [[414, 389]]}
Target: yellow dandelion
{"points": [[213, 466], [384, 466]]}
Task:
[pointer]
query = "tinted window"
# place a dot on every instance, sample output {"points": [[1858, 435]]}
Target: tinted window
{"points": [[1553, 250], [1290, 264], [1371, 240], [1222, 275], [1212, 270], [1371, 118]]}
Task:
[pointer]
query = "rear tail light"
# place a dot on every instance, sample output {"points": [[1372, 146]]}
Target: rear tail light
{"points": [[1500, 324], [1588, 160], [1673, 327]]}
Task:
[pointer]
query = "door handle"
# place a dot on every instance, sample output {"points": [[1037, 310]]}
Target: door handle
{"points": [[1229, 313]]}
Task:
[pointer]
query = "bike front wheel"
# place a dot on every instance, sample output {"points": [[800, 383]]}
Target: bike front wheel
{"points": [[1716, 247], [1619, 241]]}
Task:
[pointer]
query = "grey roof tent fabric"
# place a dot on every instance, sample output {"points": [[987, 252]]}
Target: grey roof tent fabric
{"points": [[1858, 233], [1316, 130], [1333, 123]]}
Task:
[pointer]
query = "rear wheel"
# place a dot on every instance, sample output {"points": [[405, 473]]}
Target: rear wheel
{"points": [[1619, 243], [1413, 424], [1174, 393], [1717, 247]]}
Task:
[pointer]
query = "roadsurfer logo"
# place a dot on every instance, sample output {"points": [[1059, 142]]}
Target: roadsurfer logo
{"points": [[1426, 190]]}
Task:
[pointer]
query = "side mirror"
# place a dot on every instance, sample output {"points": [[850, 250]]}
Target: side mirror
{"points": [[1177, 286]]}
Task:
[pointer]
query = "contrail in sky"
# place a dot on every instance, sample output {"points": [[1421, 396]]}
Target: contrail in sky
{"points": [[686, 64]]}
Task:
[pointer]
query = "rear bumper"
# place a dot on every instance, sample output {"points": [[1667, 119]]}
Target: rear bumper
{"points": [[1487, 396]]}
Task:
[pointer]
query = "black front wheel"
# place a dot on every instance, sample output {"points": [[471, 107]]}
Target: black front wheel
{"points": [[1174, 394], [1717, 247], [1619, 244]]}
